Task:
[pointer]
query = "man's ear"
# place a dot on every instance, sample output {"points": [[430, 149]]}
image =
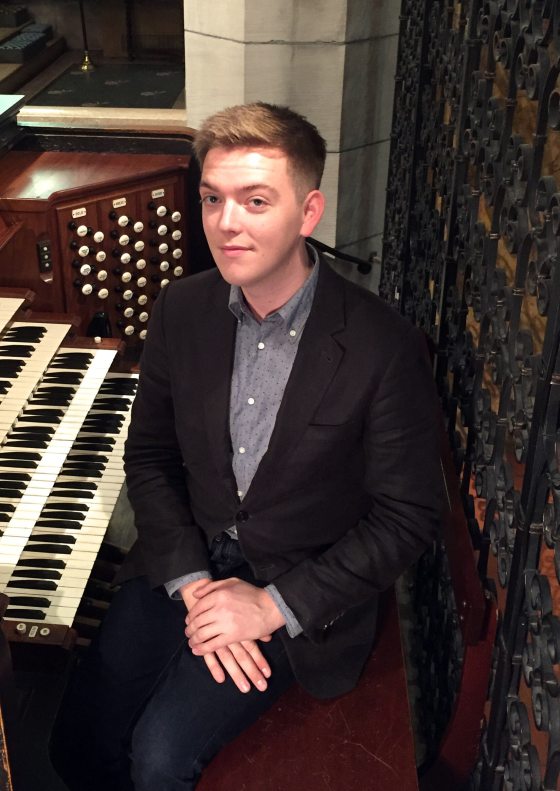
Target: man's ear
{"points": [[313, 208]]}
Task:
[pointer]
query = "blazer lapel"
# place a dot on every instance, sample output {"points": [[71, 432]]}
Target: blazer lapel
{"points": [[316, 363], [217, 349]]}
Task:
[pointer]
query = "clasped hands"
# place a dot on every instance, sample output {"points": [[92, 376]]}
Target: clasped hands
{"points": [[225, 619]]}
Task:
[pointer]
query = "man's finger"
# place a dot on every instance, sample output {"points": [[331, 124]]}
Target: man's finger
{"points": [[208, 637], [252, 648], [248, 664], [210, 645], [233, 668], [202, 628], [215, 668], [213, 585]]}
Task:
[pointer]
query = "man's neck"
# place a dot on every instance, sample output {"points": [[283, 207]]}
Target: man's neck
{"points": [[271, 298]]}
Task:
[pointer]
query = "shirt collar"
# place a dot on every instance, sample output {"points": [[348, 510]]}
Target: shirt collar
{"points": [[294, 312]]}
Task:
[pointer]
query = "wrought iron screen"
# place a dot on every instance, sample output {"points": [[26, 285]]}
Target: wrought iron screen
{"points": [[471, 254]]}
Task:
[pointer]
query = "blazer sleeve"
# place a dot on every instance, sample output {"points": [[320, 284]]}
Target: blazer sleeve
{"points": [[170, 542], [403, 478]]}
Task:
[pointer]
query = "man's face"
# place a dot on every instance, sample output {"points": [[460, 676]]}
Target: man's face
{"points": [[253, 219]]}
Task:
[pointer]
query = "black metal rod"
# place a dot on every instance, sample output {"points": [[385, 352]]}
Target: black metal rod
{"points": [[83, 21]]}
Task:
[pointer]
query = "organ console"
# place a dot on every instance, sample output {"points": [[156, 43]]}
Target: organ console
{"points": [[93, 236]]}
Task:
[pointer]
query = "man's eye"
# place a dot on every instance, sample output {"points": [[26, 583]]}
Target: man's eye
{"points": [[209, 199], [258, 203]]}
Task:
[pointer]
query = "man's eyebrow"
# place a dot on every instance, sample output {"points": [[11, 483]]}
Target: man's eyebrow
{"points": [[247, 188]]}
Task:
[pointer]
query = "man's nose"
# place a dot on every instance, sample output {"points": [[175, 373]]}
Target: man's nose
{"points": [[229, 219]]}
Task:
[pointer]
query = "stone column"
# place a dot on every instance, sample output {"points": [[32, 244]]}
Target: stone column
{"points": [[331, 60]]}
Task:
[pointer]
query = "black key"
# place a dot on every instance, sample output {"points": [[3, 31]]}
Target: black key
{"points": [[66, 506], [29, 465], [106, 445], [107, 402], [27, 333], [62, 523], [51, 399], [72, 360], [39, 574], [43, 585], [19, 350], [62, 514], [42, 563], [15, 476], [75, 485], [121, 385], [93, 458], [51, 549], [73, 493], [35, 431], [101, 424], [33, 436], [30, 443], [48, 418], [54, 538], [67, 390], [79, 472], [30, 615], [30, 601], [10, 494], [19, 454], [9, 369], [68, 378]]}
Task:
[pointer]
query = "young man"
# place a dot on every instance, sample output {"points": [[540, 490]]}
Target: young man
{"points": [[282, 465]]}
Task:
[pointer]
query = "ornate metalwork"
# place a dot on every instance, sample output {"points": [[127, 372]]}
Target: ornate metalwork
{"points": [[471, 254]]}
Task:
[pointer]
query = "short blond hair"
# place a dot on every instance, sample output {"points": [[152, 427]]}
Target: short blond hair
{"points": [[262, 125]]}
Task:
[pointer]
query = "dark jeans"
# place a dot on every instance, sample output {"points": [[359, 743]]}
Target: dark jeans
{"points": [[141, 705]]}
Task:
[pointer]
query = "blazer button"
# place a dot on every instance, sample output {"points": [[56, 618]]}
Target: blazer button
{"points": [[241, 516]]}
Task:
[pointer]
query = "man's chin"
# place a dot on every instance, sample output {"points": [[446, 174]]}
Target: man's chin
{"points": [[232, 273]]}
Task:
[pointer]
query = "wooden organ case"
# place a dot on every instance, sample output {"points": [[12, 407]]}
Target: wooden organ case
{"points": [[88, 239]]}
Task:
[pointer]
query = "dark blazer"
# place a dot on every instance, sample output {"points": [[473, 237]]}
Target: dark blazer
{"points": [[348, 493]]}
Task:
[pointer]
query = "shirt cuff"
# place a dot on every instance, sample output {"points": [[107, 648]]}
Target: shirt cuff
{"points": [[292, 624], [173, 586]]}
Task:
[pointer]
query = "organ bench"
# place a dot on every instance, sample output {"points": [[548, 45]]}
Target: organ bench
{"points": [[362, 740]]}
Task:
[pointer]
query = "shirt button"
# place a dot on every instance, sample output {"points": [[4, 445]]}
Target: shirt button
{"points": [[260, 345], [250, 400], [293, 333], [239, 493], [241, 450]]}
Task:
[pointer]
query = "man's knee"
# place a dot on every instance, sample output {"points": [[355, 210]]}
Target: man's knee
{"points": [[158, 762]]}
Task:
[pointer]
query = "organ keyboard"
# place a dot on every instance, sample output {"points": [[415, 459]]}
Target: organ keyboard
{"points": [[63, 422], [47, 580], [25, 349]]}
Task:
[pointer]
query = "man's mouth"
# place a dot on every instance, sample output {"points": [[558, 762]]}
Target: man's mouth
{"points": [[233, 249]]}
